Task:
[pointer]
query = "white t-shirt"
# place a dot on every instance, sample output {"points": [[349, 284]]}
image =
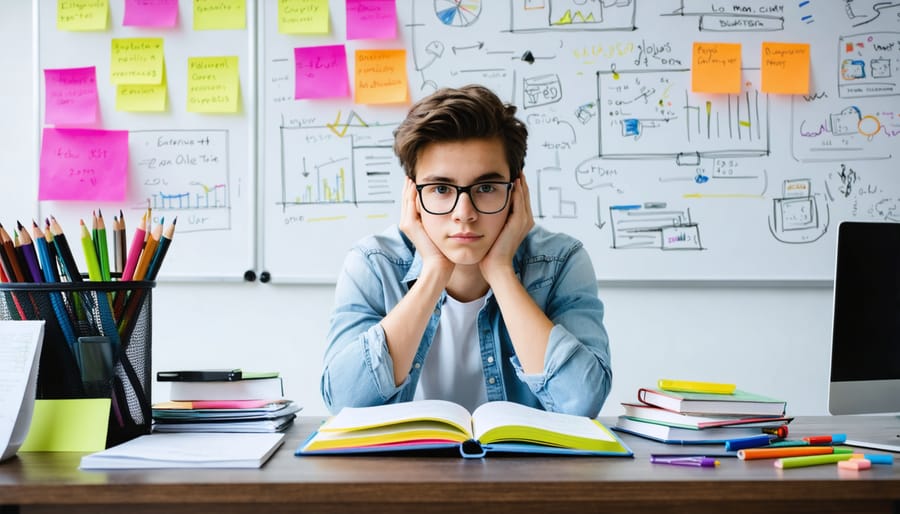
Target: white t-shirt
{"points": [[453, 369]]}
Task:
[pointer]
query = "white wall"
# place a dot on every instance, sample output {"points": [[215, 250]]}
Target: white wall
{"points": [[772, 340]]}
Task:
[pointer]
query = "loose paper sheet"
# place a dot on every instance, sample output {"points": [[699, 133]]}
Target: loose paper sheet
{"points": [[20, 351]]}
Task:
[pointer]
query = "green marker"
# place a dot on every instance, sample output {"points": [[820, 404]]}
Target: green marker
{"points": [[812, 460]]}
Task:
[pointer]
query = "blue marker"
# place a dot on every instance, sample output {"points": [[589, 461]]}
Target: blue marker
{"points": [[749, 442]]}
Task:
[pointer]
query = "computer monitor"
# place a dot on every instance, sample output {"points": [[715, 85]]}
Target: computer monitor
{"points": [[865, 347]]}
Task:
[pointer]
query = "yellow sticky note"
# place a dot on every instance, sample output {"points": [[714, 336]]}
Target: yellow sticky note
{"points": [[303, 17], [142, 97], [213, 84], [381, 77], [136, 61], [220, 14], [68, 426], [785, 68], [716, 68], [82, 15]]}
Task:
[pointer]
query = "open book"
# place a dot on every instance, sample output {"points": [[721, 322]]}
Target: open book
{"points": [[436, 424]]}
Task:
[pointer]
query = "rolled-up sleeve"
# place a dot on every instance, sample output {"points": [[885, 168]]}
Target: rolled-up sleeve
{"points": [[358, 370], [577, 375]]}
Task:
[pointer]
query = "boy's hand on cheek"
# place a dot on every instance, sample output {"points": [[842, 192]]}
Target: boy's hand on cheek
{"points": [[518, 224], [411, 225]]}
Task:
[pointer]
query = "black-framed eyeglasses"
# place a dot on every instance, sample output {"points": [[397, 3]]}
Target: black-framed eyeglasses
{"points": [[487, 197]]}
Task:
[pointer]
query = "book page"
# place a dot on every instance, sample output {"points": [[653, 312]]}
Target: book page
{"points": [[20, 349], [493, 415], [356, 418]]}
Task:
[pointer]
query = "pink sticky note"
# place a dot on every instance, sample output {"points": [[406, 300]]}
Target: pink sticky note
{"points": [[71, 96], [83, 164], [158, 13], [371, 19], [320, 72]]}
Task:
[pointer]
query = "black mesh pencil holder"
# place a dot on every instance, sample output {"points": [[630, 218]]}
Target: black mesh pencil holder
{"points": [[96, 345]]}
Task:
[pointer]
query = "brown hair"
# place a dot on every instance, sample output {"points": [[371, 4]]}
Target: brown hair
{"points": [[470, 112]]}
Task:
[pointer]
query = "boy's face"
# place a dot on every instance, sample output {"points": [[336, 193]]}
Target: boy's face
{"points": [[463, 235]]}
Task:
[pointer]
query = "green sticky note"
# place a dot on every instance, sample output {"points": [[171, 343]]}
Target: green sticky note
{"points": [[68, 426]]}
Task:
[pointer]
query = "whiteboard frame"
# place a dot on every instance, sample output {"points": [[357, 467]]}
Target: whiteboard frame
{"points": [[248, 102]]}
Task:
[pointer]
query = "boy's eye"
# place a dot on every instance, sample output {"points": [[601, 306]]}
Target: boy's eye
{"points": [[484, 188], [441, 189]]}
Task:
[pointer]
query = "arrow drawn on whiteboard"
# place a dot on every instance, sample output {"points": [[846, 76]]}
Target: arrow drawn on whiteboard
{"points": [[478, 45], [599, 223]]}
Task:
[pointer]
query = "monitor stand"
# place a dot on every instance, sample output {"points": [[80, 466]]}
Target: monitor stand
{"points": [[887, 440]]}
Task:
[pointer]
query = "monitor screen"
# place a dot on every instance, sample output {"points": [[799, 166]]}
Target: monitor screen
{"points": [[865, 356]]}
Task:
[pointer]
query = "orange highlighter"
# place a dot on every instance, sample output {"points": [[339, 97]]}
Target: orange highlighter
{"points": [[789, 451]]}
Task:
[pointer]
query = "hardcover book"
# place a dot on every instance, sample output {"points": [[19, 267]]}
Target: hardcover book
{"points": [[247, 389], [676, 435], [436, 424], [662, 416], [737, 403]]}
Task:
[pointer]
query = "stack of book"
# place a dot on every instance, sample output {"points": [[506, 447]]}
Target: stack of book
{"points": [[223, 401], [683, 417]]}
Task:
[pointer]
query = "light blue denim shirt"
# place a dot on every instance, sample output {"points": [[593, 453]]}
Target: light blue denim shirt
{"points": [[555, 270]]}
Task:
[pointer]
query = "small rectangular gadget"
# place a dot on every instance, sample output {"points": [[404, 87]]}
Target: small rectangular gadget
{"points": [[199, 375]]}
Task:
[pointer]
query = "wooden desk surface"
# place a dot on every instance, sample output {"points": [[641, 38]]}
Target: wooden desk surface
{"points": [[49, 482]]}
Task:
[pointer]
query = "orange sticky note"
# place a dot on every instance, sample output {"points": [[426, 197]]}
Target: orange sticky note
{"points": [[381, 77], [716, 68], [785, 68]]}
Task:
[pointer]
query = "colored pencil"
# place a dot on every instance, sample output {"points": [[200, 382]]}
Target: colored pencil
{"points": [[90, 254], [134, 253], [13, 257], [27, 247], [140, 272], [64, 252], [164, 241], [102, 247]]}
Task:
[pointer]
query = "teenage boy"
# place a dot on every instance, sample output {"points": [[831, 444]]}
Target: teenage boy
{"points": [[466, 299]]}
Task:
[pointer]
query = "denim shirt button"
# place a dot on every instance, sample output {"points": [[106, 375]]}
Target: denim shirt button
{"points": [[437, 311], [417, 365], [492, 380], [490, 360]]}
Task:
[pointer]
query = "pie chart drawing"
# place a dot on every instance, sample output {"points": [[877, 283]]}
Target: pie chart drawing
{"points": [[457, 13]]}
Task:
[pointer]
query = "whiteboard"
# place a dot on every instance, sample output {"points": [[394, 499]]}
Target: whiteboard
{"points": [[659, 183], [197, 167]]}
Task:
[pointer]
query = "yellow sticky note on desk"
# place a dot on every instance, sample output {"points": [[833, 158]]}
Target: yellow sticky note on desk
{"points": [[68, 426]]}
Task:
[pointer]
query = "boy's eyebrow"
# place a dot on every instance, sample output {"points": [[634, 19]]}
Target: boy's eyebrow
{"points": [[492, 176]]}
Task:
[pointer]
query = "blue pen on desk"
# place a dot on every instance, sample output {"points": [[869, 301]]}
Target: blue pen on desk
{"points": [[750, 442], [696, 462]]}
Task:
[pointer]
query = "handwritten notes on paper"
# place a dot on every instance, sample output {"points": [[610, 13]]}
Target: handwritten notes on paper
{"points": [[20, 354], [71, 96], [321, 72], [83, 164], [158, 13], [716, 68], [303, 17], [381, 77], [213, 84], [785, 68], [82, 15], [371, 19], [220, 14]]}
